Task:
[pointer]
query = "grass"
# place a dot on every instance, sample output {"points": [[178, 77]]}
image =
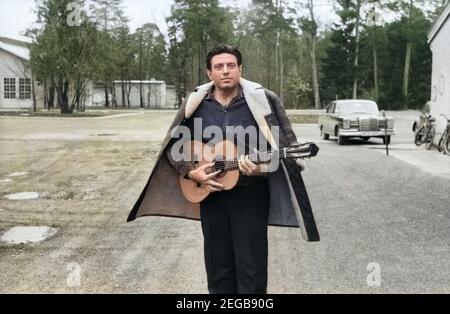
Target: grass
{"points": [[303, 118], [46, 113]]}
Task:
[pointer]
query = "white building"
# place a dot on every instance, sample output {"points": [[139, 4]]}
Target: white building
{"points": [[16, 85], [439, 41], [15, 77]]}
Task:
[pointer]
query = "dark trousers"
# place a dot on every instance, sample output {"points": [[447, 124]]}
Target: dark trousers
{"points": [[234, 225]]}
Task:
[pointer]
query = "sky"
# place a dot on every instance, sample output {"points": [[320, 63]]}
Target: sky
{"points": [[17, 15]]}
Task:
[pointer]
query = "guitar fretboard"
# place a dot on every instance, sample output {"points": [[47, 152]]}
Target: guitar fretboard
{"points": [[261, 158]]}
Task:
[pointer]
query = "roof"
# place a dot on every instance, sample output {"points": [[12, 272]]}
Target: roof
{"points": [[439, 23], [19, 38], [340, 101], [15, 47], [138, 82]]}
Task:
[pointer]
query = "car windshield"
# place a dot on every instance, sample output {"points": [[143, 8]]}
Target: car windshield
{"points": [[357, 107]]}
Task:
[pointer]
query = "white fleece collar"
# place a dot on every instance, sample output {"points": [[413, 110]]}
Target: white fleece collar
{"points": [[255, 97]]}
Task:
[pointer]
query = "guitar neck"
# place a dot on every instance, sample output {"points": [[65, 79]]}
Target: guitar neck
{"points": [[258, 159]]}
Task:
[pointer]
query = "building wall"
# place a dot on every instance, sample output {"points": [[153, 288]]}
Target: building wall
{"points": [[14, 67], [153, 93], [440, 82]]}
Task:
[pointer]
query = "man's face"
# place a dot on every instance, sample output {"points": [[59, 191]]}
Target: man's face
{"points": [[225, 71]]}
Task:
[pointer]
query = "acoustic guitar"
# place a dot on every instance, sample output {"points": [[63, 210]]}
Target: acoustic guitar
{"points": [[224, 156]]}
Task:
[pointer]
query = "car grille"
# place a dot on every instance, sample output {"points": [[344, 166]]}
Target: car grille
{"points": [[367, 124]]}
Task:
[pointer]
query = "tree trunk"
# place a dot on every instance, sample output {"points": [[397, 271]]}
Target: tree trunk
{"points": [[63, 95], [123, 94], [141, 99], [406, 74], [114, 97], [128, 91], [51, 96], [375, 70], [281, 72], [313, 56], [45, 95], [374, 50], [355, 78], [34, 94], [106, 96]]}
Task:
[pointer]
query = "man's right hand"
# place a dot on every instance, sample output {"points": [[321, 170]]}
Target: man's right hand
{"points": [[206, 179]]}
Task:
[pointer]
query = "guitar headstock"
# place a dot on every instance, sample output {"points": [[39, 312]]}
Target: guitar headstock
{"points": [[302, 150]]}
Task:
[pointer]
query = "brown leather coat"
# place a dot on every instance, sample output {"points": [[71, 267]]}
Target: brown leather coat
{"points": [[289, 201]]}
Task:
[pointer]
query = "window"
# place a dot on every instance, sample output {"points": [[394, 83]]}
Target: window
{"points": [[331, 107], [9, 88], [24, 88]]}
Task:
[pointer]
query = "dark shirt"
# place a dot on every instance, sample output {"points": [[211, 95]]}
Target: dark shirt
{"points": [[236, 113], [212, 113]]}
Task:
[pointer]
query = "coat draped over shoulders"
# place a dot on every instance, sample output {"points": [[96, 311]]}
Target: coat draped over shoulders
{"points": [[289, 202]]}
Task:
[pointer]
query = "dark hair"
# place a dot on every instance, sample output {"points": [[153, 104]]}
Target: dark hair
{"points": [[223, 48]]}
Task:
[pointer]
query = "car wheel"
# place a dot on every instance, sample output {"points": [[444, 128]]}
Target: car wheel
{"points": [[324, 135], [387, 140], [366, 138], [340, 139]]}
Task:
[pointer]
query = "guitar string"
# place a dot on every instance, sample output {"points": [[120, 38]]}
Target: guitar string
{"points": [[234, 164]]}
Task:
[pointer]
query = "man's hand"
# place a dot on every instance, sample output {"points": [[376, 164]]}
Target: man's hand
{"points": [[248, 168], [206, 179]]}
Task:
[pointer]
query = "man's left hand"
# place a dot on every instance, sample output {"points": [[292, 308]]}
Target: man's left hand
{"points": [[248, 168]]}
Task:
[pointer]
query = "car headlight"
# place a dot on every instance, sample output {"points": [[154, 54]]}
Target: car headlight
{"points": [[390, 124], [346, 124]]}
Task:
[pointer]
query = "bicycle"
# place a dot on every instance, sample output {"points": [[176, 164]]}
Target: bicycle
{"points": [[444, 142], [426, 131]]}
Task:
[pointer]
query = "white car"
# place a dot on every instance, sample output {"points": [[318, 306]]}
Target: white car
{"points": [[361, 118]]}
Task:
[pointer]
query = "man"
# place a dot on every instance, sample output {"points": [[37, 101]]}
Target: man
{"points": [[234, 222]]}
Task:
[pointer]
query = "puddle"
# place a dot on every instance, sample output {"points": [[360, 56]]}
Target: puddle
{"points": [[23, 196], [17, 174], [6, 180], [23, 235]]}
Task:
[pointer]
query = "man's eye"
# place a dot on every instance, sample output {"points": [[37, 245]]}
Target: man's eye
{"points": [[218, 67], [232, 65]]}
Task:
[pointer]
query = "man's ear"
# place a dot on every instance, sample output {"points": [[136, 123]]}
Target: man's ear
{"points": [[240, 68], [208, 72]]}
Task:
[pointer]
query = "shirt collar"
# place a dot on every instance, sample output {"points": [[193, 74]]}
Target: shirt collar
{"points": [[210, 94]]}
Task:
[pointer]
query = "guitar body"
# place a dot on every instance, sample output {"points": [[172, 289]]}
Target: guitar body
{"points": [[203, 154], [224, 156]]}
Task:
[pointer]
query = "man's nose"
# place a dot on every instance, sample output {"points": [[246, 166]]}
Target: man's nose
{"points": [[225, 69]]}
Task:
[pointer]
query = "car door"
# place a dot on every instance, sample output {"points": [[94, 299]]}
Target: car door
{"points": [[329, 124]]}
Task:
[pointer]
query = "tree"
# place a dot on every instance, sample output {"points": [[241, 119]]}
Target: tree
{"points": [[111, 21], [194, 27], [151, 54], [309, 27], [61, 51], [338, 65]]}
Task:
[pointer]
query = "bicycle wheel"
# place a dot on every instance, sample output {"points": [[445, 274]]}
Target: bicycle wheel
{"points": [[440, 145], [430, 138], [447, 145], [418, 137]]}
